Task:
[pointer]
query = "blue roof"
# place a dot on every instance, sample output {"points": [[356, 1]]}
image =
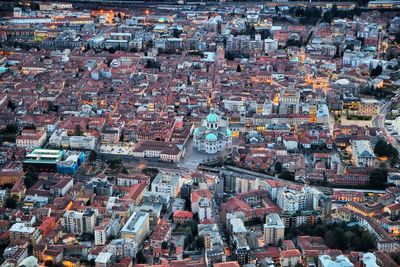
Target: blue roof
{"points": [[212, 117], [211, 137]]}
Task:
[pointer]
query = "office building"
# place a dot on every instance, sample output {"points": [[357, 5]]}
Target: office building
{"points": [[274, 229], [137, 227]]}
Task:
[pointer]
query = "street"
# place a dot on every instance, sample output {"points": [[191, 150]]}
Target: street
{"points": [[379, 121]]}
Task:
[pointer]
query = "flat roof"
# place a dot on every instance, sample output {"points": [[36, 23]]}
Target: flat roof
{"points": [[135, 222]]}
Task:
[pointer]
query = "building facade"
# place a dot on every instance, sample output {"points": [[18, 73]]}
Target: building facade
{"points": [[211, 137]]}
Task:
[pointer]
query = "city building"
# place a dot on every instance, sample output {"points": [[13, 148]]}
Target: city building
{"points": [[169, 183], [136, 228], [30, 139], [274, 229], [363, 153], [43, 160], [19, 231], [212, 137]]}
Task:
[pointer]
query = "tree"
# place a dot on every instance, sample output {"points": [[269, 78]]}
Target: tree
{"points": [[92, 156], [176, 33], [164, 245], [11, 128], [111, 50], [11, 105], [367, 241], [78, 130], [238, 68], [114, 163], [30, 178], [278, 167], [277, 9], [189, 237], [193, 227], [397, 38], [378, 177], [287, 175], [229, 56], [125, 170], [334, 9], [384, 149], [376, 71], [11, 203], [140, 259], [293, 42]]}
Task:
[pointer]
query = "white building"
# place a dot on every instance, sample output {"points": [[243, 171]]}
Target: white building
{"points": [[137, 227], [31, 138], [60, 138], [340, 261], [211, 137], [236, 227], [297, 200], [122, 248], [270, 45], [104, 259], [89, 220], [205, 210], [100, 235], [169, 183], [274, 229], [72, 221], [19, 231], [363, 153]]}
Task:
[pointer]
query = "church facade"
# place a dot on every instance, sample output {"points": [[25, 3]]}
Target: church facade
{"points": [[211, 137]]}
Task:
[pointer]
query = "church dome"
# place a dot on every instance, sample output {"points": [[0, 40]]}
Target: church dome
{"points": [[212, 117], [228, 132], [211, 137], [196, 131]]}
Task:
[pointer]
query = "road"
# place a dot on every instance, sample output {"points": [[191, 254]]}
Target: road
{"points": [[379, 121]]}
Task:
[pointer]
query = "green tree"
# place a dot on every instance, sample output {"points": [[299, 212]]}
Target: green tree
{"points": [[125, 170], [367, 241], [200, 242], [140, 259], [176, 33], [78, 130], [378, 177], [397, 38], [11, 203], [164, 245], [193, 227], [92, 156], [384, 149], [286, 175], [30, 178], [114, 163], [11, 128], [376, 71], [11, 105], [278, 167], [229, 56]]}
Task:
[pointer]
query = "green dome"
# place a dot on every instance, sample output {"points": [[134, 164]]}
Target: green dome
{"points": [[212, 117], [228, 132], [196, 131], [211, 137]]}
